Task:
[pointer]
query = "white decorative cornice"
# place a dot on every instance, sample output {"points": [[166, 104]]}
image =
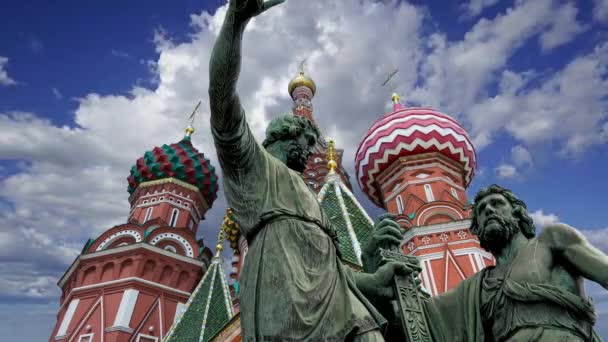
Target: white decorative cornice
{"points": [[122, 249]]}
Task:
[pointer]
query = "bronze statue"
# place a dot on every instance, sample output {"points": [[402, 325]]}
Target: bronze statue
{"points": [[535, 291], [293, 285]]}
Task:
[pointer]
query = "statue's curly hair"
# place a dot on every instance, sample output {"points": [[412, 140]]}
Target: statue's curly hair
{"points": [[288, 127], [520, 211]]}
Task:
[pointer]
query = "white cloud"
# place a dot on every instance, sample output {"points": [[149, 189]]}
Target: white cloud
{"points": [[505, 171], [600, 10], [563, 28], [119, 53], [74, 184], [474, 7], [542, 219], [598, 238], [57, 93], [521, 156], [4, 78], [569, 107]]}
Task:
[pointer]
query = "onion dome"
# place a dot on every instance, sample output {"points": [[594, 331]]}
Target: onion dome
{"points": [[302, 81], [181, 161], [406, 132]]}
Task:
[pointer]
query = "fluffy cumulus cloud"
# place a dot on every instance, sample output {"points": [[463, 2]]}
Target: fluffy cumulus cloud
{"points": [[4, 78], [520, 162], [474, 8], [542, 219], [71, 182]]}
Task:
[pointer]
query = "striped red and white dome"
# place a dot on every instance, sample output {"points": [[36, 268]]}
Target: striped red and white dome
{"points": [[406, 132]]}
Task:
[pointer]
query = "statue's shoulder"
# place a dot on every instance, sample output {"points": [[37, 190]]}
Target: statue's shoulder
{"points": [[560, 235]]}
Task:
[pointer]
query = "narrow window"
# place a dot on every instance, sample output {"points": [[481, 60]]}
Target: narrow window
{"points": [[429, 193], [399, 205], [148, 214], [455, 193], [174, 216]]}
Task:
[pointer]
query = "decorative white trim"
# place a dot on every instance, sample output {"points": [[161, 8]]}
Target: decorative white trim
{"points": [[429, 268], [149, 337], [148, 213], [436, 228], [170, 248], [175, 237], [349, 225], [421, 215], [123, 329], [135, 279], [163, 200], [174, 217], [67, 318], [418, 167], [126, 307], [399, 201], [428, 191], [131, 232], [86, 318], [448, 257], [83, 336], [402, 186], [179, 311], [116, 250], [442, 244], [454, 193]]}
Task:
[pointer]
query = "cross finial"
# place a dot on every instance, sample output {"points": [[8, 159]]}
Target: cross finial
{"points": [[301, 66], [190, 128]]}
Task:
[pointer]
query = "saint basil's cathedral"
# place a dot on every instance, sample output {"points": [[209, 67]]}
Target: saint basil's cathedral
{"points": [[151, 280]]}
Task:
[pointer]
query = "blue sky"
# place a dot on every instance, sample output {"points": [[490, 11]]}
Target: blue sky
{"points": [[87, 87]]}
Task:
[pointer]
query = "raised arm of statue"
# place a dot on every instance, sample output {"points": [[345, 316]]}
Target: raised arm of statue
{"points": [[590, 262], [231, 133]]}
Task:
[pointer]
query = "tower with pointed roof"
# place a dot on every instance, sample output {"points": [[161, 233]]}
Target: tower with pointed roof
{"points": [[417, 163], [131, 282], [302, 89], [209, 308], [352, 224]]}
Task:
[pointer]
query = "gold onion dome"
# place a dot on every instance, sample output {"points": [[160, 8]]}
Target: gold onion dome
{"points": [[302, 81]]}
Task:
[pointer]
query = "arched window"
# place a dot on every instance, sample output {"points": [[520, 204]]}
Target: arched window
{"points": [[148, 214], [399, 205], [170, 248], [455, 193], [429, 193], [174, 216]]}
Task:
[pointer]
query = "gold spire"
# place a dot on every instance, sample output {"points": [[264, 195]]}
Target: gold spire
{"points": [[395, 98], [190, 129], [220, 236], [331, 155]]}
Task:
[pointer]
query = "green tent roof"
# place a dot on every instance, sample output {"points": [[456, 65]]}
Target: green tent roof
{"points": [[208, 310], [353, 225]]}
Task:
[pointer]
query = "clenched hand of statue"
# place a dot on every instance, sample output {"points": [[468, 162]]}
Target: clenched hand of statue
{"points": [[387, 234]]}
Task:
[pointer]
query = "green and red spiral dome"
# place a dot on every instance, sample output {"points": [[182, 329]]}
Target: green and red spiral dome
{"points": [[181, 161]]}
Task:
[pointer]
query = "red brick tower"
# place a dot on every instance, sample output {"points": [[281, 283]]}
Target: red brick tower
{"points": [[131, 282], [417, 163], [302, 89]]}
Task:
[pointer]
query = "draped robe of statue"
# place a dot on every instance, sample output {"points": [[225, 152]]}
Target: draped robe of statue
{"points": [[510, 311], [293, 285]]}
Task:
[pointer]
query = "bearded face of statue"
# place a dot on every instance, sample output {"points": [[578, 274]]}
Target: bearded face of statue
{"points": [[299, 150], [497, 224]]}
